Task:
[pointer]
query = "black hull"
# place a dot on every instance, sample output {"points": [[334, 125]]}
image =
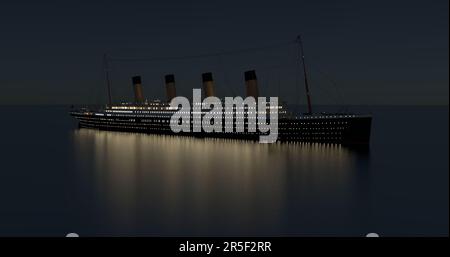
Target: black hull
{"points": [[345, 130]]}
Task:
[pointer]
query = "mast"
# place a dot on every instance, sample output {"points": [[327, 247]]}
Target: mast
{"points": [[108, 81], [302, 57]]}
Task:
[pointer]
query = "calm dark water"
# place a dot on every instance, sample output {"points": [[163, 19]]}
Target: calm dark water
{"points": [[55, 179]]}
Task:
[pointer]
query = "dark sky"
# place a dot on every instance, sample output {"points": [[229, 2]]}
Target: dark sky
{"points": [[377, 52]]}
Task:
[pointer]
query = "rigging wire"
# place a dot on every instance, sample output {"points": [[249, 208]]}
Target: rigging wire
{"points": [[225, 76], [220, 55], [339, 95], [176, 58]]}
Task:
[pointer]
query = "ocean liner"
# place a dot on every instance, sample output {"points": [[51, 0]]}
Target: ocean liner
{"points": [[154, 117]]}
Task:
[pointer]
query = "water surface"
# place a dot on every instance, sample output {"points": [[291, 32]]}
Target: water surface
{"points": [[56, 178]]}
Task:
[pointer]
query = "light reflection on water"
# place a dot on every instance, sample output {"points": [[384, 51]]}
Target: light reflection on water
{"points": [[56, 179], [179, 185]]}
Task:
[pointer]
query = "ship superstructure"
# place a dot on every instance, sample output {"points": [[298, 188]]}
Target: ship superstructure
{"points": [[155, 116]]}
